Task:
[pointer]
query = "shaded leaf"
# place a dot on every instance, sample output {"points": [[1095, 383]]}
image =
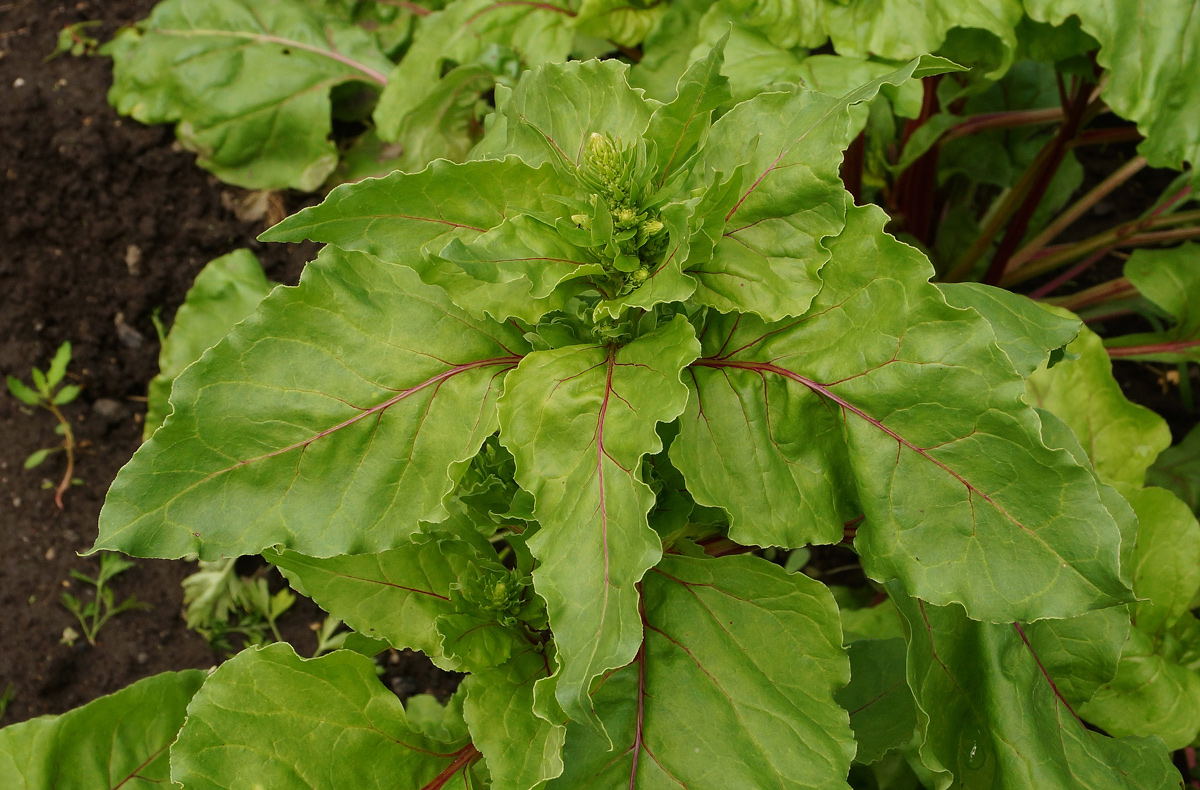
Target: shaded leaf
{"points": [[882, 713], [200, 64], [1170, 279], [1178, 470], [226, 291]]}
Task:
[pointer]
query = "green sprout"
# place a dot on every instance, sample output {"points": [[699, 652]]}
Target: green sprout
{"points": [[73, 39], [220, 603], [95, 613], [47, 394]]}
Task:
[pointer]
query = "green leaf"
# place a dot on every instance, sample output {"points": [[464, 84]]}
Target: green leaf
{"points": [[521, 748], [791, 198], [1178, 470], [361, 381], [226, 291], [444, 124], [1170, 280], [732, 686], [466, 34], [882, 713], [667, 50], [22, 392], [316, 724], [66, 394], [1027, 332], [923, 425], [992, 712], [578, 420], [1122, 438], [201, 64], [111, 742], [678, 126], [555, 109], [1150, 65], [624, 22], [58, 365], [36, 458]]}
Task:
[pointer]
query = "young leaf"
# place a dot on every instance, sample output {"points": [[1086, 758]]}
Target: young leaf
{"points": [[767, 257], [732, 648], [1150, 65], [200, 64], [36, 458], [226, 291], [1170, 279], [992, 711], [923, 424], [578, 420], [1122, 438], [66, 395], [22, 392], [309, 724], [58, 365], [361, 380], [114, 741]]}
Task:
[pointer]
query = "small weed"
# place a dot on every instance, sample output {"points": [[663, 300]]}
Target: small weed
{"points": [[49, 395], [220, 603], [75, 40], [328, 636], [95, 613], [6, 699]]}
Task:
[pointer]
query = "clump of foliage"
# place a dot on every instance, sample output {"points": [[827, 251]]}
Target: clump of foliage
{"points": [[94, 613], [49, 392], [220, 603], [618, 330]]}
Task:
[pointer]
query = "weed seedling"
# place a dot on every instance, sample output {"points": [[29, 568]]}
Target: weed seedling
{"points": [[74, 39], [221, 603], [95, 613], [48, 394]]}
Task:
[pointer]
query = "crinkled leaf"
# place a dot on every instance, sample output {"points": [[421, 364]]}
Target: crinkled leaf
{"points": [[520, 747], [1027, 332], [624, 22], [204, 64], [882, 713], [667, 50], [471, 34], [732, 686], [923, 423], [578, 421], [285, 722], [992, 714], [444, 124], [361, 381], [555, 108], [789, 144], [1121, 438], [678, 126], [226, 291], [1178, 470], [114, 741], [1170, 279], [1148, 52]]}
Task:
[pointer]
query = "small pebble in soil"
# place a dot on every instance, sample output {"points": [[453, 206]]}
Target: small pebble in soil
{"points": [[50, 553], [133, 259], [126, 334], [109, 410]]}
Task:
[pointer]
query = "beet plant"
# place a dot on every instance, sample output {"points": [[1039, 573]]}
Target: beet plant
{"points": [[560, 393]]}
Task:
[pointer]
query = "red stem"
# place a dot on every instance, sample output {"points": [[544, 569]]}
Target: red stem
{"points": [[1058, 150], [462, 758], [1045, 290], [1153, 348], [852, 166], [916, 187]]}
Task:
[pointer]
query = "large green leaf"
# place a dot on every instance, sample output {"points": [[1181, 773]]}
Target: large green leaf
{"points": [[578, 420], [226, 291], [247, 82], [678, 126], [1122, 438], [1169, 279], [922, 423], [361, 382], [112, 742], [732, 686], [993, 714], [1148, 51], [1178, 470], [281, 721], [467, 34], [788, 146]]}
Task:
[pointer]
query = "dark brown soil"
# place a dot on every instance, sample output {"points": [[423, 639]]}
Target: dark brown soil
{"points": [[79, 188]]}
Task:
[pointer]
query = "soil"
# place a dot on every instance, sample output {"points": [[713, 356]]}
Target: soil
{"points": [[102, 222]]}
